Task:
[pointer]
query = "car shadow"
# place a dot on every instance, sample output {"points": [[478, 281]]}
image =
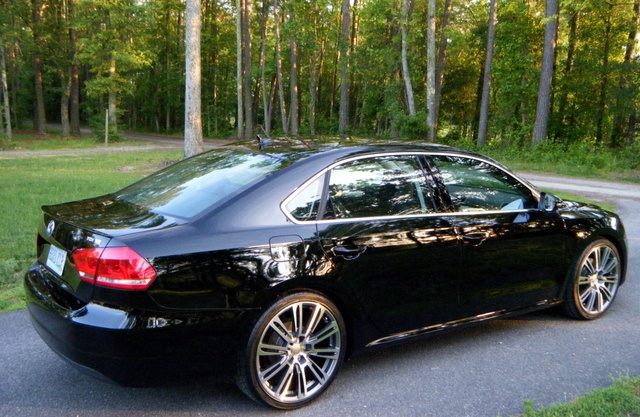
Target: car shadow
{"points": [[55, 387]]}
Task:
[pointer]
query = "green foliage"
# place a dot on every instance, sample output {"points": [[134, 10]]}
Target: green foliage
{"points": [[144, 44], [573, 159], [413, 127], [97, 125]]}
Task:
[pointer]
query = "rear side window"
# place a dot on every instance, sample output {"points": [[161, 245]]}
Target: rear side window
{"points": [[195, 184], [305, 204]]}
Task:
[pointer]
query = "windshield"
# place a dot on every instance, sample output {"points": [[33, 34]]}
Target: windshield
{"points": [[195, 184]]}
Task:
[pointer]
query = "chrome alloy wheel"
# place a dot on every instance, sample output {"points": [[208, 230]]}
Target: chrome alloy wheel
{"points": [[298, 352], [599, 276]]}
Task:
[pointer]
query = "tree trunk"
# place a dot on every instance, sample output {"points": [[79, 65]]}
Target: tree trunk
{"points": [[313, 92], [486, 79], [546, 73], [283, 107], [293, 78], [343, 118], [266, 104], [431, 68], [193, 112], [602, 102], [15, 84], [113, 117], [622, 118], [5, 91], [246, 71], [631, 125], [568, 67], [74, 74], [64, 104], [39, 120], [239, 109], [406, 75], [442, 55], [317, 54]]}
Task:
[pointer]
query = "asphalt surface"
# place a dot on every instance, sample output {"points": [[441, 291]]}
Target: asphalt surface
{"points": [[485, 370]]}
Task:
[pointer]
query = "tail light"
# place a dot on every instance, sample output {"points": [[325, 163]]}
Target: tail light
{"points": [[117, 267]]}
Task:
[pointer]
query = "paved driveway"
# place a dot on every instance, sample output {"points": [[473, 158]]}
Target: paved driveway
{"points": [[486, 370]]}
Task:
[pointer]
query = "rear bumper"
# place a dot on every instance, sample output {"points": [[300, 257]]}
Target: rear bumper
{"points": [[130, 346]]}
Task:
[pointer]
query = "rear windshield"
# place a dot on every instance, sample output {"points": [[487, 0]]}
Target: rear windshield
{"points": [[195, 184]]}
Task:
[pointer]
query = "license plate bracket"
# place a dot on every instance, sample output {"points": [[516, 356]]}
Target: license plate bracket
{"points": [[56, 259]]}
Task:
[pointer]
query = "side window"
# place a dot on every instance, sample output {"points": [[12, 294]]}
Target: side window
{"points": [[374, 187], [304, 205], [475, 185]]}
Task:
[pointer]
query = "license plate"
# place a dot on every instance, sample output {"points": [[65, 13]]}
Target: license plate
{"points": [[56, 259]]}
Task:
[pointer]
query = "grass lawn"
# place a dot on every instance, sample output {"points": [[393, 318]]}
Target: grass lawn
{"points": [[35, 142], [26, 184], [622, 399]]}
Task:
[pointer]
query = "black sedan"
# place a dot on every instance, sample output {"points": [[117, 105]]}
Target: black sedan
{"points": [[278, 260]]}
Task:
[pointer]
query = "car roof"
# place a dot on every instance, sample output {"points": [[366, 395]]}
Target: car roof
{"points": [[296, 149]]}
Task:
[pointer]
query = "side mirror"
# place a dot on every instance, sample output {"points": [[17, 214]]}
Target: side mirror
{"points": [[548, 202]]}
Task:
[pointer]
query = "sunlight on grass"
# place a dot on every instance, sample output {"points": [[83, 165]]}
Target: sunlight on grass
{"points": [[27, 184], [34, 142], [619, 400]]}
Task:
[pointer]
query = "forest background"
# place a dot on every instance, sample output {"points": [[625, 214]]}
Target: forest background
{"points": [[500, 72]]}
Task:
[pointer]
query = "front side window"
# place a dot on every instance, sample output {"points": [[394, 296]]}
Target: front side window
{"points": [[380, 186], [479, 186]]}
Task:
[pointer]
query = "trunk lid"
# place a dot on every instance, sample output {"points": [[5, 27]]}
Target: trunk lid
{"points": [[92, 224]]}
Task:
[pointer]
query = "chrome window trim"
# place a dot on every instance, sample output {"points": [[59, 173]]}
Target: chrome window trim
{"points": [[297, 190]]}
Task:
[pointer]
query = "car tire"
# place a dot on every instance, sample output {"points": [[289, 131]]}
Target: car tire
{"points": [[294, 351], [593, 281]]}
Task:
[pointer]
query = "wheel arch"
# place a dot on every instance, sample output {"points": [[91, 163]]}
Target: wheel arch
{"points": [[336, 294]]}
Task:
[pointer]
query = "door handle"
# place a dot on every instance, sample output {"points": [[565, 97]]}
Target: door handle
{"points": [[349, 252]]}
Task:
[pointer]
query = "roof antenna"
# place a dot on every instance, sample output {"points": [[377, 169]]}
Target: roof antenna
{"points": [[263, 142]]}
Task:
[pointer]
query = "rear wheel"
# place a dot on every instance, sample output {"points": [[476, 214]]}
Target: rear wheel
{"points": [[294, 351], [594, 281]]}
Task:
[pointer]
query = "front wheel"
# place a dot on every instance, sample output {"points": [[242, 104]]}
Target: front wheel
{"points": [[594, 281], [294, 351]]}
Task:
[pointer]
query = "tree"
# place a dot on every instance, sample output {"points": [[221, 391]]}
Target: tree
{"points": [[246, 69], [279, 75], [74, 73], [39, 118], [546, 73], [293, 74], [626, 115], [5, 92], [114, 46], [239, 68], [343, 118], [431, 69], [192, 108], [406, 75], [574, 17], [604, 77], [486, 80], [440, 65], [266, 102]]}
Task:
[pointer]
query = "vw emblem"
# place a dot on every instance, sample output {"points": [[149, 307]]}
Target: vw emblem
{"points": [[50, 227]]}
